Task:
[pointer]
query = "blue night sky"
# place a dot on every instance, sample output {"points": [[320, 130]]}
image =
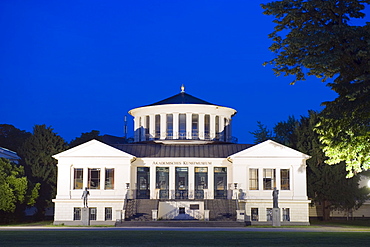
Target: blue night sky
{"points": [[82, 65]]}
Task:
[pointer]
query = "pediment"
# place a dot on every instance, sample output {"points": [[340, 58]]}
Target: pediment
{"points": [[269, 149], [93, 148]]}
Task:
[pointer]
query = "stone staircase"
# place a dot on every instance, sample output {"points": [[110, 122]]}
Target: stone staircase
{"points": [[222, 213], [221, 209], [140, 209], [180, 223]]}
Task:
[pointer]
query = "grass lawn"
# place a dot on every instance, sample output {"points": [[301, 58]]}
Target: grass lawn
{"points": [[179, 238]]}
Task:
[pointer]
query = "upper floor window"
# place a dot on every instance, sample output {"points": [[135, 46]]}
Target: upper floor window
{"points": [[269, 181], [94, 178], [182, 126], [109, 179], [195, 125], [169, 126], [253, 179], [147, 126], [157, 126], [207, 126], [284, 179], [217, 127], [78, 179]]}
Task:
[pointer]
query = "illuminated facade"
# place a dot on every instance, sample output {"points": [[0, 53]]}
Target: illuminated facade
{"points": [[181, 166]]}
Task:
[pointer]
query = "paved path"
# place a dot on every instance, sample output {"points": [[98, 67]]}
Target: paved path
{"points": [[195, 229]]}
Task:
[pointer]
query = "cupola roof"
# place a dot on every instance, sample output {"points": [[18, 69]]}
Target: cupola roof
{"points": [[182, 98]]}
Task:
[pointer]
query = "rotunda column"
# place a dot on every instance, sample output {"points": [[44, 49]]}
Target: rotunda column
{"points": [[136, 128], [176, 126], [222, 128], [188, 125], [201, 126], [163, 126], [151, 126], [212, 131]]}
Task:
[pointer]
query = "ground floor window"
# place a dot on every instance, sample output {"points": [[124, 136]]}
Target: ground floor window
{"points": [[254, 214], [108, 213], [92, 212], [269, 214], [76, 213], [286, 214]]}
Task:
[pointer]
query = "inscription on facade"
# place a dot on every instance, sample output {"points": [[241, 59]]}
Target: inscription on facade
{"points": [[182, 163]]}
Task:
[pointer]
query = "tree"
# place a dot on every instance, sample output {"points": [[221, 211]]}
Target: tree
{"points": [[85, 137], [11, 137], [39, 164], [326, 185], [314, 37], [261, 134], [284, 131], [15, 190]]}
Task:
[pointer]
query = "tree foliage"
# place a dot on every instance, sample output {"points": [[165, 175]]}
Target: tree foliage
{"points": [[11, 137], [85, 137], [39, 164], [15, 190], [284, 131], [326, 185], [315, 37], [261, 134]]}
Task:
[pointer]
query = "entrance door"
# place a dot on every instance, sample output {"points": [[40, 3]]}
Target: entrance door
{"points": [[201, 181], [143, 190], [162, 182], [181, 181], [220, 182]]}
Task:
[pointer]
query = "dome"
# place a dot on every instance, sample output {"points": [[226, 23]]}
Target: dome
{"points": [[182, 117]]}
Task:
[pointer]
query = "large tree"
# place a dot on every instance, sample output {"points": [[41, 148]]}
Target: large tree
{"points": [[85, 137], [40, 166], [261, 134], [315, 37], [15, 191], [326, 185], [11, 137]]}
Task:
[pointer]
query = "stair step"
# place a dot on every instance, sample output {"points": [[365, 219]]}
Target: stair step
{"points": [[174, 223]]}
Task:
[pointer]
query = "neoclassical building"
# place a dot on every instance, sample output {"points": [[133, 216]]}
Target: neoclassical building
{"points": [[183, 165]]}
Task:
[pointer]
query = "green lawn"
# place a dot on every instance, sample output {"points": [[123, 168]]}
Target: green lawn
{"points": [[180, 238]]}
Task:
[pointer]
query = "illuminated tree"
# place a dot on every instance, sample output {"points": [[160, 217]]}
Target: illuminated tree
{"points": [[314, 37]]}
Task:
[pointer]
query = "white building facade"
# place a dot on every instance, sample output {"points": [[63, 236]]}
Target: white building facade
{"points": [[181, 166]]}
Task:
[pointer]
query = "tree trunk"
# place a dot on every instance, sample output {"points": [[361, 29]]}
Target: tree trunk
{"points": [[325, 210]]}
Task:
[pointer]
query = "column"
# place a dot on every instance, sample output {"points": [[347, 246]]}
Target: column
{"points": [[176, 126], [222, 128], [212, 123], [211, 182], [152, 126], [136, 128], [191, 182], [152, 182], [171, 182], [188, 125], [201, 126], [163, 126]]}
